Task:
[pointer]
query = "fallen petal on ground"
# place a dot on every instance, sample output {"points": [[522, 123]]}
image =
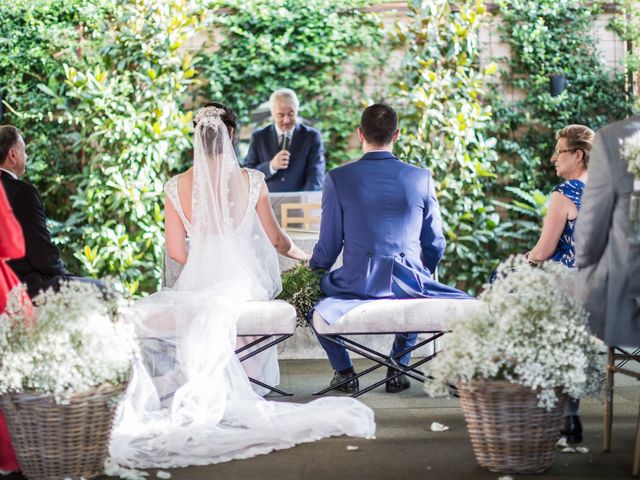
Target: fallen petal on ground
{"points": [[438, 427]]}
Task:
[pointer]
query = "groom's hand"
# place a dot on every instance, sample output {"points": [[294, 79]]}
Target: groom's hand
{"points": [[281, 160]]}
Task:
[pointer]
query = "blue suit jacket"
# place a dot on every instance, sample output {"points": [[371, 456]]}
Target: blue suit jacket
{"points": [[385, 215], [306, 164]]}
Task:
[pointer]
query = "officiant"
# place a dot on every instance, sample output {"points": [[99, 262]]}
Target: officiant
{"points": [[290, 154]]}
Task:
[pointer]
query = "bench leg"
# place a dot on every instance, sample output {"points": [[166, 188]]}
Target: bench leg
{"points": [[269, 387], [380, 360], [608, 399], [263, 338]]}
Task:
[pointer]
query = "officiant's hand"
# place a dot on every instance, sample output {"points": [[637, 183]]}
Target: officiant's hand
{"points": [[281, 160]]}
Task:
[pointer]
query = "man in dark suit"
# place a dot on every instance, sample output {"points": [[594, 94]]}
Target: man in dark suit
{"points": [[384, 216], [290, 155], [41, 267]]}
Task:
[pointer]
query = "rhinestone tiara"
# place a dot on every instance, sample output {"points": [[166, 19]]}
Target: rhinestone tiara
{"points": [[206, 116]]}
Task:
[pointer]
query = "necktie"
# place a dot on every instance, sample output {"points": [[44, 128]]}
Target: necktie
{"points": [[285, 141]]}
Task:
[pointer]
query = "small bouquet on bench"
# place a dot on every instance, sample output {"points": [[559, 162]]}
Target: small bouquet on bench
{"points": [[301, 288]]}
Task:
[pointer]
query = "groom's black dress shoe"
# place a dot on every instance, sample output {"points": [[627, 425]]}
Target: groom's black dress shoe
{"points": [[352, 386], [572, 429], [397, 384]]}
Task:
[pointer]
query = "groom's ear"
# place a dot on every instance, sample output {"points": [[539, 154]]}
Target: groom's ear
{"points": [[395, 135], [360, 135]]}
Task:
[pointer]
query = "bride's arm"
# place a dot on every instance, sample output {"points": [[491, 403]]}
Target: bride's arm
{"points": [[278, 238], [174, 233]]}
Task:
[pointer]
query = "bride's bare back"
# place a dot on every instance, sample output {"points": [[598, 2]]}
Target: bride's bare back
{"points": [[176, 233]]}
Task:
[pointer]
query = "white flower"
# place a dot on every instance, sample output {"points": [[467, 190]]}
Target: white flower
{"points": [[77, 342], [630, 151], [532, 333]]}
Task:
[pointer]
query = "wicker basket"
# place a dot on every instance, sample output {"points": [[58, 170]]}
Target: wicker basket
{"points": [[55, 441], [510, 433]]}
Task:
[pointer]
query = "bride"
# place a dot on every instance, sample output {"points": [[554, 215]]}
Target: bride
{"points": [[203, 409]]}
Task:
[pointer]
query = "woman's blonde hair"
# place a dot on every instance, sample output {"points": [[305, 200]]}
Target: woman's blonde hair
{"points": [[578, 137]]}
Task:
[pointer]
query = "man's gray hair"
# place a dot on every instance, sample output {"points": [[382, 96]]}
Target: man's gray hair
{"points": [[286, 96]]}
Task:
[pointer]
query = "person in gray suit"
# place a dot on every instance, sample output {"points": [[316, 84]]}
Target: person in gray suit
{"points": [[608, 279]]}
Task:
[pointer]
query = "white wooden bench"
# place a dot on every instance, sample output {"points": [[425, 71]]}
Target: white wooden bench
{"points": [[428, 317], [271, 322]]}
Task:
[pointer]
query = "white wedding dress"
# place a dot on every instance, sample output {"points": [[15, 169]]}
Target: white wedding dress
{"points": [[203, 409], [263, 366]]}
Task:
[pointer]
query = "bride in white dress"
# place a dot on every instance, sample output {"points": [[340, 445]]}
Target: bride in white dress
{"points": [[212, 414], [178, 206]]}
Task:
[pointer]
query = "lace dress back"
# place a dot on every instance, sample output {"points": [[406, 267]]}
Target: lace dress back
{"points": [[263, 366]]}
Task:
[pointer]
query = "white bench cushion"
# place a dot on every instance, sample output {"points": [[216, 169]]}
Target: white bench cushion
{"points": [[393, 316], [267, 318]]}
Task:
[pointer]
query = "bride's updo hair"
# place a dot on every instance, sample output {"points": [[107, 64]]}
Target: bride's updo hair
{"points": [[228, 117]]}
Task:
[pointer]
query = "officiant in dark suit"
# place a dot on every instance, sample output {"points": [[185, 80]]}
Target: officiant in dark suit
{"points": [[41, 267], [290, 154]]}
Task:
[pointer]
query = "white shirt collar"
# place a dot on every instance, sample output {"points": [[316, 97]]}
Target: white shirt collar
{"points": [[10, 173], [280, 132]]}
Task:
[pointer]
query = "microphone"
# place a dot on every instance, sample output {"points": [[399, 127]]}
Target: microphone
{"points": [[286, 142]]}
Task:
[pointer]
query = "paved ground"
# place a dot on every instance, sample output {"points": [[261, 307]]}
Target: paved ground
{"points": [[405, 447]]}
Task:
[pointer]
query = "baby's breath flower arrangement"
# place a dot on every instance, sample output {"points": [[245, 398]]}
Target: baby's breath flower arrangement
{"points": [[301, 288], [77, 342], [533, 333]]}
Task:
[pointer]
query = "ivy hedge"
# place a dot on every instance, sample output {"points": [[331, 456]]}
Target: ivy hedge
{"points": [[104, 89], [445, 125], [546, 37], [269, 44]]}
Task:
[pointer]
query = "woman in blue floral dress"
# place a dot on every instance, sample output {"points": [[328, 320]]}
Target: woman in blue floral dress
{"points": [[556, 243]]}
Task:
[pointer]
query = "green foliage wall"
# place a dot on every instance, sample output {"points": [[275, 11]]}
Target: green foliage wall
{"points": [[626, 24], [546, 37], [103, 91], [36, 40], [444, 128], [128, 110], [271, 44]]}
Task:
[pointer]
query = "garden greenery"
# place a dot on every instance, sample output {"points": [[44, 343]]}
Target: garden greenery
{"points": [[542, 44], [444, 125], [103, 90], [626, 24], [36, 40], [271, 44]]}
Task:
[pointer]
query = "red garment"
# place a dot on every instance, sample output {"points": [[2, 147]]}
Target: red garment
{"points": [[11, 246]]}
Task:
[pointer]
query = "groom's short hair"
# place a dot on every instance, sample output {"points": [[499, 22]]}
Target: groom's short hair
{"points": [[378, 124]]}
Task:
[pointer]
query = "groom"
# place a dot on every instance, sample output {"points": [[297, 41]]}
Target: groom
{"points": [[385, 215]]}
